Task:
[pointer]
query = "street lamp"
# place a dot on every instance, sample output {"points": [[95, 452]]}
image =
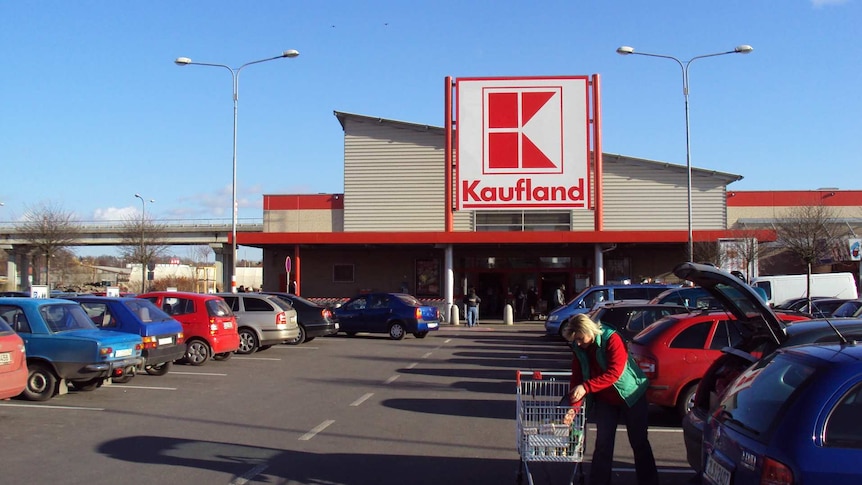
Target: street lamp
{"points": [[185, 61], [742, 49], [143, 251]]}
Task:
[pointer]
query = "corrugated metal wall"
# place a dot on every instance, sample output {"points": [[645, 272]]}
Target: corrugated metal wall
{"points": [[394, 178], [639, 196]]}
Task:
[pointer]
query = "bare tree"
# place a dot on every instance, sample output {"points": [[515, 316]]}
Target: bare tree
{"points": [[708, 252], [49, 228], [143, 241], [810, 233]]}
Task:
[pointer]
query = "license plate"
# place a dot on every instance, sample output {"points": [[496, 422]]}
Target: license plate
{"points": [[336, 326], [123, 353], [715, 472], [5, 358], [228, 324], [166, 341], [432, 325]]}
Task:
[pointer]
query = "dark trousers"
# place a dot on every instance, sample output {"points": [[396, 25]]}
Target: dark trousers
{"points": [[606, 417]]}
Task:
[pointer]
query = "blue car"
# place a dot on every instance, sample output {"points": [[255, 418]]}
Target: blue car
{"points": [[162, 335], [394, 313], [64, 346], [793, 417]]}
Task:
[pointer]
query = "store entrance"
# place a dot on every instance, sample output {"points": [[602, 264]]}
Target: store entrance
{"points": [[550, 283], [489, 287]]}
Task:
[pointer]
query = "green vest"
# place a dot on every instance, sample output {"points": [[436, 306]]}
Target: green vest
{"points": [[631, 385]]}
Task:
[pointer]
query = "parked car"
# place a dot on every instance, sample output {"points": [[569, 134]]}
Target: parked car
{"points": [[262, 320], [162, 335], [675, 351], [764, 332], [848, 309], [314, 320], [696, 298], [791, 418], [13, 362], [824, 307], [587, 299], [63, 343], [629, 317], [209, 326], [394, 313]]}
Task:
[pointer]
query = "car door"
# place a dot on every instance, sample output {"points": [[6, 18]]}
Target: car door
{"points": [[377, 313], [352, 315]]}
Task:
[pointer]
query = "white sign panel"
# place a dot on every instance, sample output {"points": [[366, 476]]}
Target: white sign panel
{"points": [[855, 249], [522, 143], [39, 291]]}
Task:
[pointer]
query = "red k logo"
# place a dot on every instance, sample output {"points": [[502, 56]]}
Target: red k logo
{"points": [[523, 130]]}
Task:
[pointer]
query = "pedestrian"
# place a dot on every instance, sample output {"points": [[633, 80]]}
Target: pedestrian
{"points": [[532, 302], [560, 296], [471, 301], [615, 389]]}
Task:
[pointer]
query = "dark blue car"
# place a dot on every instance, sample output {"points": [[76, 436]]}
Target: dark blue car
{"points": [[394, 313], [64, 346], [162, 335], [793, 417]]}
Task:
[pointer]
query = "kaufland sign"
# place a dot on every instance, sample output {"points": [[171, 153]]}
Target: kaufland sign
{"points": [[522, 143]]}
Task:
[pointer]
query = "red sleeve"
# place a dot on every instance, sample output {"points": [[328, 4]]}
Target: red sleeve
{"points": [[577, 374], [617, 356]]}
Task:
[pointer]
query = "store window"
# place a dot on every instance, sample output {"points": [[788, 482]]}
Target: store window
{"points": [[523, 221], [342, 273]]}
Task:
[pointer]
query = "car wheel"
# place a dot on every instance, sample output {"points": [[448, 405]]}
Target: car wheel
{"points": [[223, 356], [248, 343], [420, 334], [309, 339], [197, 352], [264, 347], [299, 338], [686, 399], [396, 331], [158, 369], [92, 384], [41, 383]]}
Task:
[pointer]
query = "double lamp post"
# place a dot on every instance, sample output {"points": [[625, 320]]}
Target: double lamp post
{"points": [[742, 49], [185, 61]]}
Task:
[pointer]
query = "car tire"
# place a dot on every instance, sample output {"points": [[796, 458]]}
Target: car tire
{"points": [[686, 399], [396, 331], [158, 369], [41, 383], [223, 356], [93, 384], [308, 339], [264, 347], [197, 352], [248, 342], [299, 338], [420, 334]]}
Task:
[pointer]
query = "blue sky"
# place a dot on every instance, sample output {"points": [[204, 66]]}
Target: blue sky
{"points": [[94, 109]]}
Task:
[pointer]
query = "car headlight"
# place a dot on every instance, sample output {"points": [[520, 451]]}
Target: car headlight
{"points": [[553, 318]]}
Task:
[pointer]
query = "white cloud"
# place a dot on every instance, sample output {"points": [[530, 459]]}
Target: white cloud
{"points": [[115, 213], [824, 3]]}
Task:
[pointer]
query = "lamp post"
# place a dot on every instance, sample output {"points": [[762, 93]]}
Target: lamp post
{"points": [[143, 250], [185, 61], [742, 49]]}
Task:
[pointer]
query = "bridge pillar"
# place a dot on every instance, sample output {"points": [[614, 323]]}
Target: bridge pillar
{"points": [[17, 267], [222, 265]]}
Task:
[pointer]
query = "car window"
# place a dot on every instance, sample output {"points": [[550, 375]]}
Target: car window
{"points": [[99, 314], [727, 334], [378, 301], [615, 317], [4, 327], [756, 398], [232, 302], [594, 297], [357, 304], [694, 337], [642, 319], [633, 293], [16, 318], [844, 428], [65, 317], [146, 311], [216, 307], [257, 305], [178, 306]]}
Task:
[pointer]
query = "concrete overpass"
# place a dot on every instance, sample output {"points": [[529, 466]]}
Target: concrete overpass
{"points": [[215, 233]]}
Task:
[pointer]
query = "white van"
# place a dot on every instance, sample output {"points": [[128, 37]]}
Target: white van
{"points": [[780, 288]]}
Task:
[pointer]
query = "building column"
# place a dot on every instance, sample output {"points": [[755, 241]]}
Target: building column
{"points": [[449, 284], [18, 268], [222, 259], [599, 265]]}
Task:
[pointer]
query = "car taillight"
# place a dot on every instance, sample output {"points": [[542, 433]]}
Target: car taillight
{"points": [[139, 347], [180, 338], [418, 314], [775, 473], [213, 328], [151, 342], [647, 365], [326, 314], [105, 351], [281, 321]]}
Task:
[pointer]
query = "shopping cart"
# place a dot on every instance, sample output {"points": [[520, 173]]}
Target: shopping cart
{"points": [[549, 430]]}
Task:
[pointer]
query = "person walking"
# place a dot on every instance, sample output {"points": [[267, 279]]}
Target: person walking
{"points": [[615, 388], [471, 301], [560, 296]]}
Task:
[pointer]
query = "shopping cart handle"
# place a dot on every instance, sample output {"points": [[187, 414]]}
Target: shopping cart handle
{"points": [[537, 375]]}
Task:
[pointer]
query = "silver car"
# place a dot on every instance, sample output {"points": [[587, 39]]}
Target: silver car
{"points": [[262, 320]]}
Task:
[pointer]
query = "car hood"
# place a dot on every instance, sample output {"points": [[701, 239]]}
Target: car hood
{"points": [[737, 297]]}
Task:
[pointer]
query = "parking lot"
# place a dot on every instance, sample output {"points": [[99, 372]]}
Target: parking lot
{"points": [[338, 410]]}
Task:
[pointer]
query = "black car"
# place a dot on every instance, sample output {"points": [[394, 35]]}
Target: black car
{"points": [[630, 317], [763, 332], [313, 319]]}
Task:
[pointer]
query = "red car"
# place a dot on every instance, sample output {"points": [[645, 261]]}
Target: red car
{"points": [[676, 351], [13, 362], [209, 326]]}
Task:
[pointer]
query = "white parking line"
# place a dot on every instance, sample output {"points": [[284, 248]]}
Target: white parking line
{"points": [[257, 358], [245, 477], [199, 373], [414, 364], [427, 354], [48, 406], [391, 379], [317, 429], [362, 399], [126, 386]]}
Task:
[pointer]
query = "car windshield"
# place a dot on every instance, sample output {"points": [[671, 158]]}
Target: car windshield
{"points": [[64, 317], [755, 399], [409, 300], [146, 311]]}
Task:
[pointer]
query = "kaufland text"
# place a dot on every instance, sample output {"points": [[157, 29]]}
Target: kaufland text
{"points": [[522, 191]]}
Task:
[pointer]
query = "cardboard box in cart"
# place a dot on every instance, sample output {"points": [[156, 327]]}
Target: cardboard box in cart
{"points": [[780, 288]]}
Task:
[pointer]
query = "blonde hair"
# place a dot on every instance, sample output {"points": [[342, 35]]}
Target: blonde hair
{"points": [[580, 324]]}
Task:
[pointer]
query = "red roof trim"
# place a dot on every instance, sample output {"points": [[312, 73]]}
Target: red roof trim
{"points": [[303, 202], [792, 198]]}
